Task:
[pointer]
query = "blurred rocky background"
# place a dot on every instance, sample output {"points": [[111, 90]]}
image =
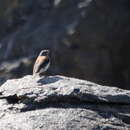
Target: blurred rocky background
{"points": [[88, 39]]}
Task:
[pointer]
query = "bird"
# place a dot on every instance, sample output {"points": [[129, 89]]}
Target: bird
{"points": [[42, 63]]}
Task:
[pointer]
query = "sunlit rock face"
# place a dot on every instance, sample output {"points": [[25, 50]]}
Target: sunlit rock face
{"points": [[58, 102], [89, 39]]}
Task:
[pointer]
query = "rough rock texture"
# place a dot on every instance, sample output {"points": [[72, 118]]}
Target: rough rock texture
{"points": [[91, 35], [62, 103]]}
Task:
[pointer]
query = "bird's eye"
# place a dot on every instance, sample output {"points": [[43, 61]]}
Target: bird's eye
{"points": [[45, 53]]}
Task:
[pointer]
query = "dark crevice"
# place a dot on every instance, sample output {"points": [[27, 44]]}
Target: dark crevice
{"points": [[125, 118], [83, 105], [71, 99], [67, 102], [11, 99]]}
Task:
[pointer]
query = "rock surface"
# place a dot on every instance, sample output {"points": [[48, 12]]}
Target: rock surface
{"points": [[91, 35], [62, 103]]}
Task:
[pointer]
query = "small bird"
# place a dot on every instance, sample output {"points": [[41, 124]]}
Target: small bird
{"points": [[42, 63]]}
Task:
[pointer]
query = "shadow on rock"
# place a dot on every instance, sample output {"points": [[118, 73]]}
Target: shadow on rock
{"points": [[48, 80], [103, 109]]}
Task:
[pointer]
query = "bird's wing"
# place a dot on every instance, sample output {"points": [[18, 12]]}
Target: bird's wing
{"points": [[41, 62]]}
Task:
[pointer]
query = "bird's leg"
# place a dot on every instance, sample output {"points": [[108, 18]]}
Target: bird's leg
{"points": [[35, 75]]}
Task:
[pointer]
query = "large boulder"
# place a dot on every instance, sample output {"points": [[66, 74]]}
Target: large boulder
{"points": [[57, 102], [89, 39]]}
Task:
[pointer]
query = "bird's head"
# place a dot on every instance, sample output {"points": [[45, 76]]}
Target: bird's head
{"points": [[44, 53]]}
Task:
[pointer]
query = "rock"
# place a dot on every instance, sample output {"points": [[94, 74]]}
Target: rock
{"points": [[58, 102], [16, 68]]}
